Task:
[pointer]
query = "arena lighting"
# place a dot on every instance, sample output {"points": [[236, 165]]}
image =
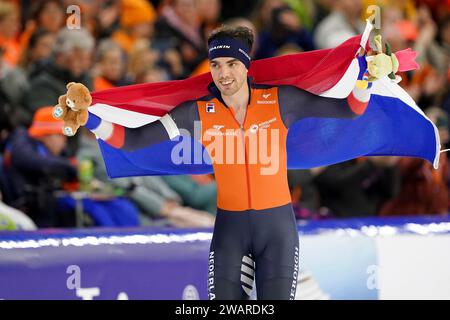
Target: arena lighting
{"points": [[107, 240]]}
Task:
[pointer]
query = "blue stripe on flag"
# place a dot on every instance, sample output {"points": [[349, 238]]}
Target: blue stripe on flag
{"points": [[388, 127]]}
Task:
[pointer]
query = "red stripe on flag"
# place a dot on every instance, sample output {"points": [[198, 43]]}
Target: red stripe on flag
{"points": [[118, 137], [315, 71], [356, 105]]}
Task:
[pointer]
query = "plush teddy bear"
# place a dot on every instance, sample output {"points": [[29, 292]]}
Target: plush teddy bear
{"points": [[72, 107]]}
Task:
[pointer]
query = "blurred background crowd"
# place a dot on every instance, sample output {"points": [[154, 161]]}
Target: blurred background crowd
{"points": [[48, 180]]}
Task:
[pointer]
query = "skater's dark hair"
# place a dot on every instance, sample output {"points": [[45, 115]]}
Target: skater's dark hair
{"points": [[238, 33]]}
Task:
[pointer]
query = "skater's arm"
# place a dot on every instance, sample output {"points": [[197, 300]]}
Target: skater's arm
{"points": [[296, 104], [167, 127]]}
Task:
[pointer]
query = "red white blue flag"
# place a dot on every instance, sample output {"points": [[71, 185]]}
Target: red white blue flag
{"points": [[392, 125]]}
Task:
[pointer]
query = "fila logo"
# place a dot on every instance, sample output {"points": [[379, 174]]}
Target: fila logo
{"points": [[210, 107], [265, 96]]}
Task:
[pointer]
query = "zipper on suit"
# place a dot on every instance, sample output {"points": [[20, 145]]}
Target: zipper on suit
{"points": [[241, 127]]}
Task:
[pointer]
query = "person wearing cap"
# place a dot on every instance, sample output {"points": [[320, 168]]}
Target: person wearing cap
{"points": [[36, 167], [255, 227]]}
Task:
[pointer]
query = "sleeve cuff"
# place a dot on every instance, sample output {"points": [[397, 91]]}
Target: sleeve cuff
{"points": [[93, 121]]}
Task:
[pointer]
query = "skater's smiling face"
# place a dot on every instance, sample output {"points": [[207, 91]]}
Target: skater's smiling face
{"points": [[229, 74], [229, 58]]}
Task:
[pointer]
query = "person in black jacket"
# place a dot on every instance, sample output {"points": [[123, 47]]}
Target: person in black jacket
{"points": [[358, 187], [35, 169], [70, 62], [5, 121], [178, 28]]}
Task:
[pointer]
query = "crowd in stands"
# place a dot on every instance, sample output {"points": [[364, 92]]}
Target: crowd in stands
{"points": [[49, 180]]}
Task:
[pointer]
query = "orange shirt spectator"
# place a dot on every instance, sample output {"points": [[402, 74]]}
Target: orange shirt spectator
{"points": [[48, 15], [110, 66], [136, 22], [9, 26], [203, 67]]}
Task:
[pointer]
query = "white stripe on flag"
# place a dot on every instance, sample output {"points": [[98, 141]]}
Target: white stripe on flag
{"points": [[104, 130], [361, 95], [126, 118], [346, 84]]}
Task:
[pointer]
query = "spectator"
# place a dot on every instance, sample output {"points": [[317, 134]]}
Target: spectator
{"points": [[15, 82], [243, 22], [444, 35], [439, 9], [406, 7], [305, 11], [425, 85], [110, 66], [342, 23], [232, 7], [358, 187], [322, 9], [38, 51], [198, 192], [305, 194], [5, 119], [70, 61], [47, 15], [151, 74], [136, 23], [263, 12], [288, 49], [107, 20], [141, 58], [285, 28], [179, 28], [9, 26], [424, 190], [152, 195], [36, 168], [13, 219], [209, 11], [426, 45], [446, 95]]}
